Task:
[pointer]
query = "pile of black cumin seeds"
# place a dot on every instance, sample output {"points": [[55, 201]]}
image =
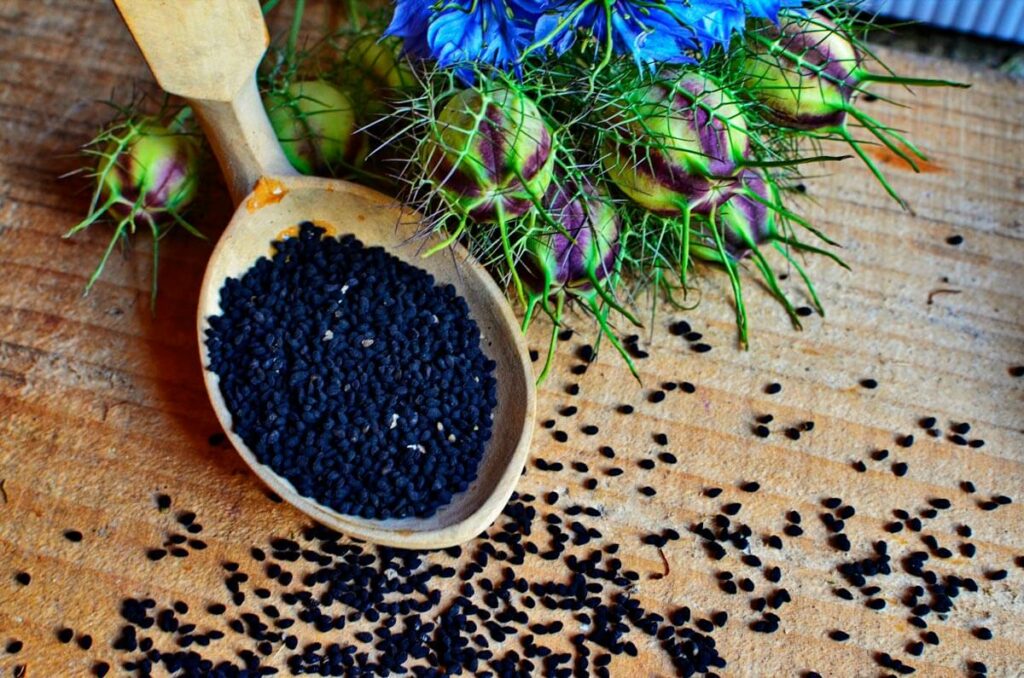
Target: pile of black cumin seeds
{"points": [[562, 586], [354, 376]]}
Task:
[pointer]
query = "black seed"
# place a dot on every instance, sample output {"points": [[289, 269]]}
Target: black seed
{"points": [[899, 469], [876, 604], [560, 436], [832, 503], [1002, 499], [701, 348], [751, 486], [869, 383], [163, 502], [660, 439], [793, 530], [155, 554], [712, 492], [838, 635], [773, 388], [995, 575], [648, 491], [859, 466], [23, 578], [608, 452], [100, 669], [65, 635], [732, 509], [988, 505], [687, 387], [905, 441], [656, 396], [73, 535], [982, 633], [679, 328], [915, 649], [927, 422], [625, 409], [879, 455], [14, 646], [1017, 371], [590, 430], [940, 503], [667, 458], [85, 641], [955, 240], [761, 431], [646, 464]]}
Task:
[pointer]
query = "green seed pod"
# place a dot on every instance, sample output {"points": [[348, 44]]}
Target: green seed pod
{"points": [[380, 64], [316, 125], [149, 172], [489, 153], [804, 72], [673, 143]]}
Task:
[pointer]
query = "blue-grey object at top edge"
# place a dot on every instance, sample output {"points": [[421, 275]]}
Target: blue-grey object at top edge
{"points": [[1003, 19]]}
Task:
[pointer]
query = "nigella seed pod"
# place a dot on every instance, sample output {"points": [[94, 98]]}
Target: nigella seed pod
{"points": [[316, 125], [580, 249], [804, 72], [490, 153], [149, 172], [674, 143], [745, 219]]}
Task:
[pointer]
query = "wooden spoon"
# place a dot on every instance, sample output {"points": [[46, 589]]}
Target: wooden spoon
{"points": [[207, 51]]}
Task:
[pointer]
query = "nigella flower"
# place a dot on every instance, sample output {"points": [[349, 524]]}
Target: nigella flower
{"points": [[768, 9], [464, 32], [651, 32]]}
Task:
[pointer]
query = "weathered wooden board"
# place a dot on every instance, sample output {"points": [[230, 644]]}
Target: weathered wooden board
{"points": [[103, 406]]}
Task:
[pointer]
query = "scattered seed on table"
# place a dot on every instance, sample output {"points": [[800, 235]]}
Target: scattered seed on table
{"points": [[23, 578], [899, 469], [955, 240], [879, 455], [761, 431], [73, 536], [773, 388]]}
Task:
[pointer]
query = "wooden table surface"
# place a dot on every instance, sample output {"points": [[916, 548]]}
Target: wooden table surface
{"points": [[103, 406]]}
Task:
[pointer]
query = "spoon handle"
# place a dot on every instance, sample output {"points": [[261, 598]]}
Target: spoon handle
{"points": [[207, 51]]}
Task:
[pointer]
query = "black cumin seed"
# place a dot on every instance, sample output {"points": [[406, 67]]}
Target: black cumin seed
{"points": [[701, 348], [687, 387], [573, 389], [163, 502], [761, 431], [906, 440], [940, 503], [679, 328], [23, 578], [773, 388], [560, 436], [982, 633], [660, 438], [85, 641], [832, 502], [859, 466], [915, 649], [1017, 371], [995, 575], [927, 422], [988, 505], [73, 535], [967, 486], [648, 491], [774, 541], [14, 647], [751, 486], [155, 554], [65, 635], [899, 469], [1002, 499], [100, 669], [667, 458], [656, 396], [732, 509], [590, 430], [590, 484], [955, 240], [607, 452], [626, 409], [876, 604], [712, 492], [869, 383], [879, 455], [839, 636], [793, 530], [962, 428]]}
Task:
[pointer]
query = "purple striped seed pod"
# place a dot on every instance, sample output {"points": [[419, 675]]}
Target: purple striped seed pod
{"points": [[152, 172], [490, 153], [582, 254], [745, 220], [673, 144], [805, 75], [316, 125]]}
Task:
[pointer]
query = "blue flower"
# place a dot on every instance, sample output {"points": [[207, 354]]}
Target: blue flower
{"points": [[461, 33], [649, 33], [768, 9]]}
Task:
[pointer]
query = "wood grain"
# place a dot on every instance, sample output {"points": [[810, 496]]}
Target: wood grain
{"points": [[103, 403]]}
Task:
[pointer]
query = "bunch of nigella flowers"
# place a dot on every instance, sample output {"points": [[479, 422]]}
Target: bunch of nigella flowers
{"points": [[503, 33], [591, 151]]}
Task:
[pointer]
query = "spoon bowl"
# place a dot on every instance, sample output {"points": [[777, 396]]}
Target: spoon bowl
{"points": [[228, 38]]}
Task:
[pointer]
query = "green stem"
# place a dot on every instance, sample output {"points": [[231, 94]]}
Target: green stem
{"points": [[293, 32]]}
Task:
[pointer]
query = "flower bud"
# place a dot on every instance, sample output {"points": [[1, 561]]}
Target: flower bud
{"points": [[805, 75], [674, 142], [746, 221], [489, 153]]}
